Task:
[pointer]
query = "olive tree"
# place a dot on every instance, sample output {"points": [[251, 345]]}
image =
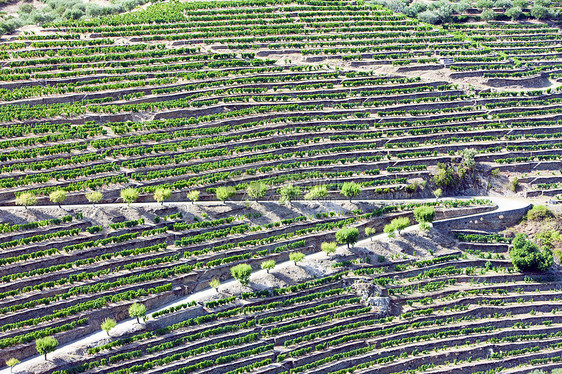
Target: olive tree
{"points": [[329, 247], [347, 235], [241, 272], [108, 324], [162, 194], [369, 231], [396, 225], [26, 199], [268, 265], [288, 193], [316, 193], [57, 197], [225, 193], [215, 283], [137, 311], [256, 189], [94, 197], [12, 362], [296, 257], [46, 345], [350, 190], [193, 196], [129, 195]]}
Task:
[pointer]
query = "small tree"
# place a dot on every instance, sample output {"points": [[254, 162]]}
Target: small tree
{"points": [[137, 311], [437, 193], [369, 231], [94, 197], [46, 345], [225, 193], [193, 196], [256, 189], [329, 248], [26, 199], [12, 362], [350, 190], [242, 273], [514, 184], [129, 195], [289, 193], [347, 235], [108, 324], [57, 197], [396, 225], [540, 12], [162, 194], [268, 265], [424, 214], [215, 283], [316, 193], [296, 257]]}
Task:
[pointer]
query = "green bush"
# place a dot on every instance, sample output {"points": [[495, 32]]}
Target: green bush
{"points": [[129, 195], [424, 214], [329, 248], [526, 256], [242, 273], [539, 213], [296, 257]]}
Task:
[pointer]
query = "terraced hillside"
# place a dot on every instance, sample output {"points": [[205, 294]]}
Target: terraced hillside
{"points": [[232, 130]]}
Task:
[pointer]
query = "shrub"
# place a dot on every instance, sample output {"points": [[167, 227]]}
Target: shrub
{"points": [[242, 273], [526, 256], [193, 196], [487, 14], [514, 184], [424, 226], [108, 324], [504, 4], [317, 193], [288, 193], [137, 311], [129, 195], [424, 214], [539, 213], [513, 13], [329, 248], [162, 194], [445, 177], [429, 16], [94, 197], [296, 257], [268, 265], [225, 193], [347, 235], [438, 193], [350, 190], [256, 189], [484, 4], [46, 345], [540, 12], [26, 199]]}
